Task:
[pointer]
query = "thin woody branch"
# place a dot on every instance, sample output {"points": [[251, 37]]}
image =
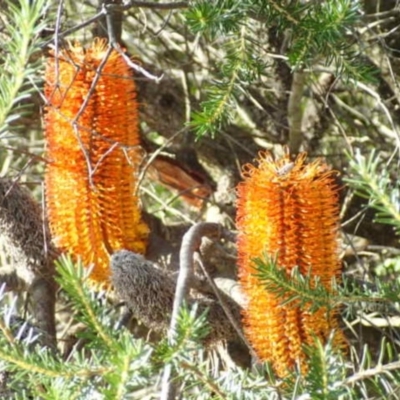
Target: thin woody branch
{"points": [[148, 4], [295, 112], [149, 293], [222, 298], [108, 9], [190, 244]]}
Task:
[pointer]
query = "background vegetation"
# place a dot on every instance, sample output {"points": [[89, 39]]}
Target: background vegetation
{"points": [[223, 80]]}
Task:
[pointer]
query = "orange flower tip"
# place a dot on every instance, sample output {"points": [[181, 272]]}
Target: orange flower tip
{"points": [[90, 180], [287, 208]]}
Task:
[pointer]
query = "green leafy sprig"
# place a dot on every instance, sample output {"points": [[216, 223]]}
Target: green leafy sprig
{"points": [[20, 63], [315, 34], [371, 179]]}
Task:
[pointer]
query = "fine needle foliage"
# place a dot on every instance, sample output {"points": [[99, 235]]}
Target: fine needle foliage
{"points": [[19, 63], [113, 365], [315, 35], [218, 83], [371, 179], [310, 294], [326, 371], [108, 363], [307, 290], [329, 376]]}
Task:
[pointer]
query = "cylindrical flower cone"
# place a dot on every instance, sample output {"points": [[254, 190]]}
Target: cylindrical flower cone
{"points": [[288, 210], [94, 153]]}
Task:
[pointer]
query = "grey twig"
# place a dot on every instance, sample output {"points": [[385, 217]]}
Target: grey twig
{"points": [[227, 310], [135, 66], [372, 372], [148, 4], [149, 293], [155, 298], [190, 243], [110, 8], [59, 35], [295, 113]]}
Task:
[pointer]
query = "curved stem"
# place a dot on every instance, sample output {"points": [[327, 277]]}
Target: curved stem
{"points": [[190, 243]]}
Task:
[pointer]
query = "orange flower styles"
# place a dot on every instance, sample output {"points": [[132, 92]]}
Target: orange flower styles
{"points": [[92, 139], [288, 210]]}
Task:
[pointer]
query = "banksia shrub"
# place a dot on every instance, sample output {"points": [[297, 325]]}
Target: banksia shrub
{"points": [[93, 152], [288, 210]]}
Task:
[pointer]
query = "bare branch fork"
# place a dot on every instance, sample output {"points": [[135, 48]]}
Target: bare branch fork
{"points": [[114, 43], [107, 11], [190, 244], [150, 293], [108, 8]]}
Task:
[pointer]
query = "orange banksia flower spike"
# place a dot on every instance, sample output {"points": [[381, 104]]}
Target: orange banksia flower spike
{"points": [[93, 152], [288, 209]]}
